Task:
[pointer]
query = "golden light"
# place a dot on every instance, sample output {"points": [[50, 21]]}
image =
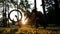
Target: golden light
{"points": [[24, 20]]}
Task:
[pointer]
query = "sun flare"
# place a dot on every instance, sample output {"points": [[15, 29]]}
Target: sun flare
{"points": [[24, 20]]}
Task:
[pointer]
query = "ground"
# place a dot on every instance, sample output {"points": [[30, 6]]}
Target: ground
{"points": [[29, 30]]}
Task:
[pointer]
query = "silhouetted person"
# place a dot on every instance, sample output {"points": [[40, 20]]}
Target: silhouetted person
{"points": [[38, 18]]}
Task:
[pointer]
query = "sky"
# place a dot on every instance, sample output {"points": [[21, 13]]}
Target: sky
{"points": [[39, 7]]}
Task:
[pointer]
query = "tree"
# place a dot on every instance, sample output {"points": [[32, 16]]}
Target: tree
{"points": [[49, 5], [57, 12], [53, 14], [2, 1]]}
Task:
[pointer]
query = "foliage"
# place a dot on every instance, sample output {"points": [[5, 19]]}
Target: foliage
{"points": [[23, 5], [2, 1], [49, 3]]}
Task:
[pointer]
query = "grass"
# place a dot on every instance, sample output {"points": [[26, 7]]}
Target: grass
{"points": [[27, 30]]}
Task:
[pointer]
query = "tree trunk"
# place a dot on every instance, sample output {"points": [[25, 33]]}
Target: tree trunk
{"points": [[57, 12]]}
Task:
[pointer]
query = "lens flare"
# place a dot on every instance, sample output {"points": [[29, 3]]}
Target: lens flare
{"points": [[24, 20]]}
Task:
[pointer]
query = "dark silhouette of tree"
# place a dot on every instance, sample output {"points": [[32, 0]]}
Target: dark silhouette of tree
{"points": [[57, 12], [49, 4], [5, 19], [45, 15], [43, 5], [53, 14]]}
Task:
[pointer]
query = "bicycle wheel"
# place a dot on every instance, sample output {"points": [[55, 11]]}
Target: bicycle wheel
{"points": [[15, 15]]}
